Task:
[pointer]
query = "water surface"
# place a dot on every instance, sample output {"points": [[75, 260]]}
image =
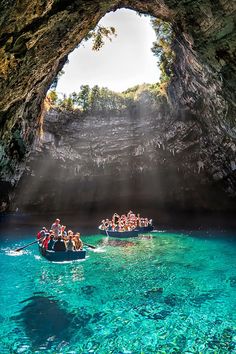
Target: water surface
{"points": [[167, 293]]}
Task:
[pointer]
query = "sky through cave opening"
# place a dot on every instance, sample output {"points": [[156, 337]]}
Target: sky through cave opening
{"points": [[122, 63]]}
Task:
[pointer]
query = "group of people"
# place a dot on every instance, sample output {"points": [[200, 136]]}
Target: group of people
{"points": [[124, 222], [58, 239]]}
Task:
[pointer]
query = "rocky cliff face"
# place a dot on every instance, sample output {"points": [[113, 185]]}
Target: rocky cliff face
{"points": [[139, 159], [36, 37]]}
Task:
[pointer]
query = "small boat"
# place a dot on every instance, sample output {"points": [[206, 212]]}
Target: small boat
{"points": [[62, 256], [125, 234]]}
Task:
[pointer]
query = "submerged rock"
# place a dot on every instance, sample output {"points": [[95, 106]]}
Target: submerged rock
{"points": [[172, 300], [88, 289], [161, 315], [38, 320], [46, 323], [153, 292], [232, 281]]}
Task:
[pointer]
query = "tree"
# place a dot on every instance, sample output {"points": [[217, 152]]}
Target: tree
{"points": [[102, 101], [66, 103], [99, 34], [94, 96], [74, 98], [53, 97], [83, 97], [162, 48]]}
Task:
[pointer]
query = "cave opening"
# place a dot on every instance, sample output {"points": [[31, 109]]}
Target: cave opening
{"points": [[99, 139], [116, 60], [198, 110], [170, 157]]}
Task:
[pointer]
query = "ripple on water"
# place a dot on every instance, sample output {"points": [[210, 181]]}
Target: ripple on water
{"points": [[171, 293], [13, 253]]}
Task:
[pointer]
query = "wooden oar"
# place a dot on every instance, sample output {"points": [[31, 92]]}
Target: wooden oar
{"points": [[29, 244], [88, 245]]}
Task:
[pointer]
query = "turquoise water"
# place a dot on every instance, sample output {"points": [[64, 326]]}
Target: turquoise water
{"points": [[168, 293]]}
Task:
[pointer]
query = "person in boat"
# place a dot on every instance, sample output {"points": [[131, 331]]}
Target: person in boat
{"points": [[113, 225], [106, 224], [59, 245], [46, 241], [121, 225], [103, 224], [70, 233], [56, 227], [77, 241], [115, 219], [63, 232], [42, 233], [146, 222], [138, 220], [51, 242], [70, 245], [129, 213]]}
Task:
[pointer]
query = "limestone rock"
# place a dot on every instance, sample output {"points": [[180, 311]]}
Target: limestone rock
{"points": [[37, 36]]}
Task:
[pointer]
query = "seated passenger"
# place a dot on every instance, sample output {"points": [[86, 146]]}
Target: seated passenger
{"points": [[70, 246], [78, 243], [138, 220], [146, 222], [59, 245], [42, 233], [45, 241], [103, 224], [63, 232], [51, 243]]}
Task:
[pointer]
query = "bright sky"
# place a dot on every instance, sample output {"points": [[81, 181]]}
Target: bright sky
{"points": [[118, 65]]}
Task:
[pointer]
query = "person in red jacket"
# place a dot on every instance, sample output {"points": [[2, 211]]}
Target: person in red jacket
{"points": [[45, 241], [42, 233]]}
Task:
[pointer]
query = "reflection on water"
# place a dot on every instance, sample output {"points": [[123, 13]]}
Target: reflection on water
{"points": [[116, 242], [168, 293]]}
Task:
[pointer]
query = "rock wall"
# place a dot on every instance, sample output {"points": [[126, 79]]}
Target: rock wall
{"points": [[36, 37], [139, 160]]}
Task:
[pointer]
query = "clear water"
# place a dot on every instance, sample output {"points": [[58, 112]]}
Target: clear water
{"points": [[170, 293]]}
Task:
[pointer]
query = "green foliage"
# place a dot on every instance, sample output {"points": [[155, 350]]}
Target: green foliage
{"points": [[83, 97], [144, 99], [104, 102], [66, 103], [53, 97], [162, 48], [99, 34]]}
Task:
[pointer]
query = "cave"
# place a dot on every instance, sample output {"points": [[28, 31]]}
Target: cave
{"points": [[151, 281], [36, 38]]}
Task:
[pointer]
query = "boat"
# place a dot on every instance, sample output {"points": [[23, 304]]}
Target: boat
{"points": [[126, 234], [61, 256]]}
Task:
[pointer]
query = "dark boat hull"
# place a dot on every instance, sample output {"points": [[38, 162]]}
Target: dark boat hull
{"points": [[62, 256], [126, 234]]}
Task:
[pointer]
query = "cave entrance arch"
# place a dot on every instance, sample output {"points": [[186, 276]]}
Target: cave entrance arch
{"points": [[36, 39], [124, 60]]}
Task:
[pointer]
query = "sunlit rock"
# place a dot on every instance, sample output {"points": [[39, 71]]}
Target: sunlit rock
{"points": [[35, 39]]}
